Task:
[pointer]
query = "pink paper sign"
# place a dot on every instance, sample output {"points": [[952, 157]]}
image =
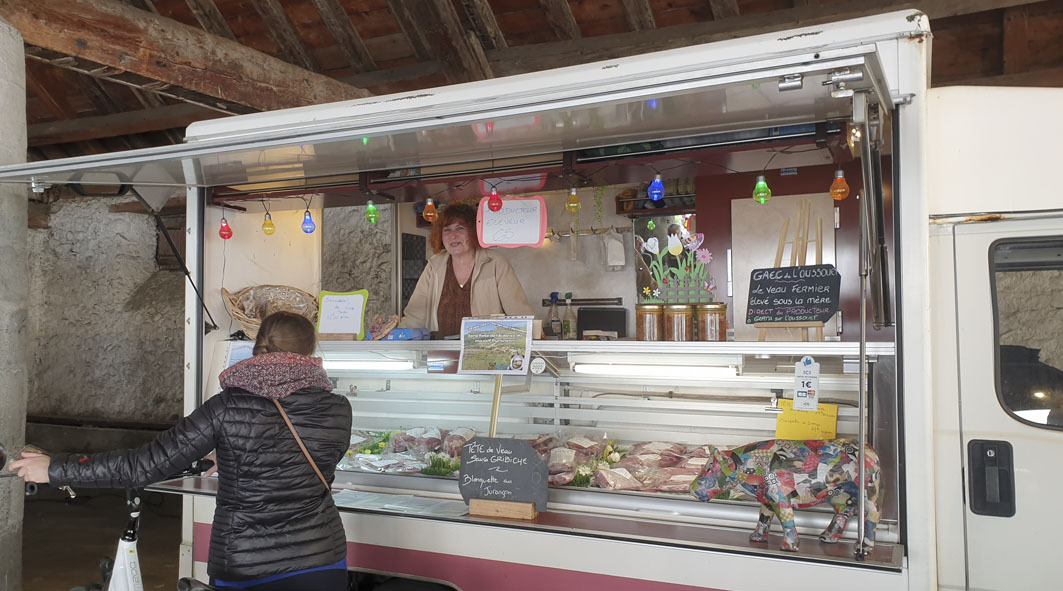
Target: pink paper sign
{"points": [[520, 222]]}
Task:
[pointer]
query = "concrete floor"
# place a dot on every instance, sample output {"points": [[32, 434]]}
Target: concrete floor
{"points": [[64, 541]]}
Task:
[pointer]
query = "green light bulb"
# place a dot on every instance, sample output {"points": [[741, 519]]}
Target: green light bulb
{"points": [[650, 225], [761, 192], [371, 214]]}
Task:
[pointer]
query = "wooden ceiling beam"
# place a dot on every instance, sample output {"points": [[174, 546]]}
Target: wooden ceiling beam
{"points": [[1016, 42], [117, 124], [559, 17], [544, 56], [723, 8], [60, 110], [639, 15], [483, 21], [413, 33], [459, 51], [347, 38], [210, 18], [284, 33], [137, 47]]}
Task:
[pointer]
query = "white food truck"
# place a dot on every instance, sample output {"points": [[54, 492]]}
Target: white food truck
{"points": [[954, 249]]}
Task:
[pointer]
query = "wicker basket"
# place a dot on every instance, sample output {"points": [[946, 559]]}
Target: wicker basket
{"points": [[251, 305]]}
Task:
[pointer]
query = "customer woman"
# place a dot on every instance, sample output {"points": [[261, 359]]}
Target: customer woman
{"points": [[462, 279], [275, 526]]}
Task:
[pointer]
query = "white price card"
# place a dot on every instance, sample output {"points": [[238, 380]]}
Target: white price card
{"points": [[806, 384]]}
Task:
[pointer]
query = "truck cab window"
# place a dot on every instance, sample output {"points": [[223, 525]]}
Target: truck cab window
{"points": [[1028, 313]]}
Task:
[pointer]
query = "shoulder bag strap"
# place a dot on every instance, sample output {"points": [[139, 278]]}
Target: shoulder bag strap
{"points": [[291, 428]]}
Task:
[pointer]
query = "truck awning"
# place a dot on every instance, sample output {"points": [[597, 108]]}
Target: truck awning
{"points": [[749, 83]]}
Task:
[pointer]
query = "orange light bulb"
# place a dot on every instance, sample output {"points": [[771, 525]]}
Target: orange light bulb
{"points": [[839, 189], [429, 214]]}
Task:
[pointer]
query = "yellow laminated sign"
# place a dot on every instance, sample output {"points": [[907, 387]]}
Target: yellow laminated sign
{"points": [[806, 424]]}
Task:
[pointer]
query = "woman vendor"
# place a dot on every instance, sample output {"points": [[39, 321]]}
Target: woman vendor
{"points": [[462, 279]]}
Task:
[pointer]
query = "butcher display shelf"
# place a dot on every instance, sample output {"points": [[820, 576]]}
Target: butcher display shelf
{"points": [[641, 521], [657, 402]]}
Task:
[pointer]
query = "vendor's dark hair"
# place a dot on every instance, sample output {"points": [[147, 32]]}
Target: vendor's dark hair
{"points": [[286, 332], [455, 211]]}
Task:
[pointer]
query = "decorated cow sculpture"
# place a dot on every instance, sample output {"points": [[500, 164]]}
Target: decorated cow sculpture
{"points": [[783, 475]]}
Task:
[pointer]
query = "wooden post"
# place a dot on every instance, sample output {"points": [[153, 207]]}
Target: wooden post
{"points": [[798, 249], [495, 401]]}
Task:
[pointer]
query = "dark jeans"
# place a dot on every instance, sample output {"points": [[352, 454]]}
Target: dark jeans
{"points": [[323, 580]]}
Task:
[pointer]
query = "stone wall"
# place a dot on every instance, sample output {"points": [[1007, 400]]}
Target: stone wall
{"points": [[1030, 306], [358, 255], [106, 339]]}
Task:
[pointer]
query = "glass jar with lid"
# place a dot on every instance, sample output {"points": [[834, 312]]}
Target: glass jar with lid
{"points": [[649, 322], [679, 322], [711, 321]]}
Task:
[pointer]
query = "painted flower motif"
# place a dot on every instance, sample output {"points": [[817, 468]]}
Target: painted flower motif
{"points": [[652, 246], [645, 291], [657, 292], [675, 246], [693, 242], [665, 281], [687, 268], [709, 286], [703, 255]]}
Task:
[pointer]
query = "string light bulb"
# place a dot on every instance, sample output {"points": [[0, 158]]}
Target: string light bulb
{"points": [[839, 189], [650, 225], [656, 189], [572, 204], [308, 222], [224, 230], [268, 227], [494, 202], [429, 214], [761, 192], [371, 214]]}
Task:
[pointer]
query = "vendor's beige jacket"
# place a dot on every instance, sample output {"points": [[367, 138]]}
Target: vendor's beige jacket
{"points": [[495, 290]]}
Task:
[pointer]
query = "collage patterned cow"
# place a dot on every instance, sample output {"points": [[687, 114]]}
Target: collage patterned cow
{"points": [[783, 475]]}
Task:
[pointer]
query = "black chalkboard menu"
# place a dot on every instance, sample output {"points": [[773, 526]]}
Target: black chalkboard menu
{"points": [[808, 293], [498, 469]]}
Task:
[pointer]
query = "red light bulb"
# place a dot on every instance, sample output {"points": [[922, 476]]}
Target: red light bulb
{"points": [[225, 231], [494, 203]]}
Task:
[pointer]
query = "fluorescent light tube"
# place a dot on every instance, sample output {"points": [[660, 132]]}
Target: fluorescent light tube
{"points": [[656, 371], [367, 364]]}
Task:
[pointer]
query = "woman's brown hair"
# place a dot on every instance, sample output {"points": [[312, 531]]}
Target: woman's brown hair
{"points": [[286, 332], [455, 211]]}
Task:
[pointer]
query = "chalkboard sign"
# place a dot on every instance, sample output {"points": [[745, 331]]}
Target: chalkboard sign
{"points": [[520, 222], [502, 470], [793, 294]]}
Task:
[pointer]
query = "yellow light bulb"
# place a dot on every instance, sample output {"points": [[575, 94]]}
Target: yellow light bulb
{"points": [[267, 226], [572, 204]]}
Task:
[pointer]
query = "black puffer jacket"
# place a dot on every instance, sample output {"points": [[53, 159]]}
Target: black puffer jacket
{"points": [[273, 515]]}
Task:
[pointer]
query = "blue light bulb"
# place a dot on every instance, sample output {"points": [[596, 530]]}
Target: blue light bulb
{"points": [[656, 189], [308, 223]]}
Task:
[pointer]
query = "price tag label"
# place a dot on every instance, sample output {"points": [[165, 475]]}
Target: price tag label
{"points": [[806, 384]]}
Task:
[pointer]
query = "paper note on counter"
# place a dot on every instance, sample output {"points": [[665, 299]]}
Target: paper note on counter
{"points": [[804, 424]]}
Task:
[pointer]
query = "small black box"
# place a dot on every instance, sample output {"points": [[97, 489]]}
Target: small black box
{"points": [[614, 319]]}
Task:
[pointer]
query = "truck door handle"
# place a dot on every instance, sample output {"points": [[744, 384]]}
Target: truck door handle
{"points": [[992, 477]]}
